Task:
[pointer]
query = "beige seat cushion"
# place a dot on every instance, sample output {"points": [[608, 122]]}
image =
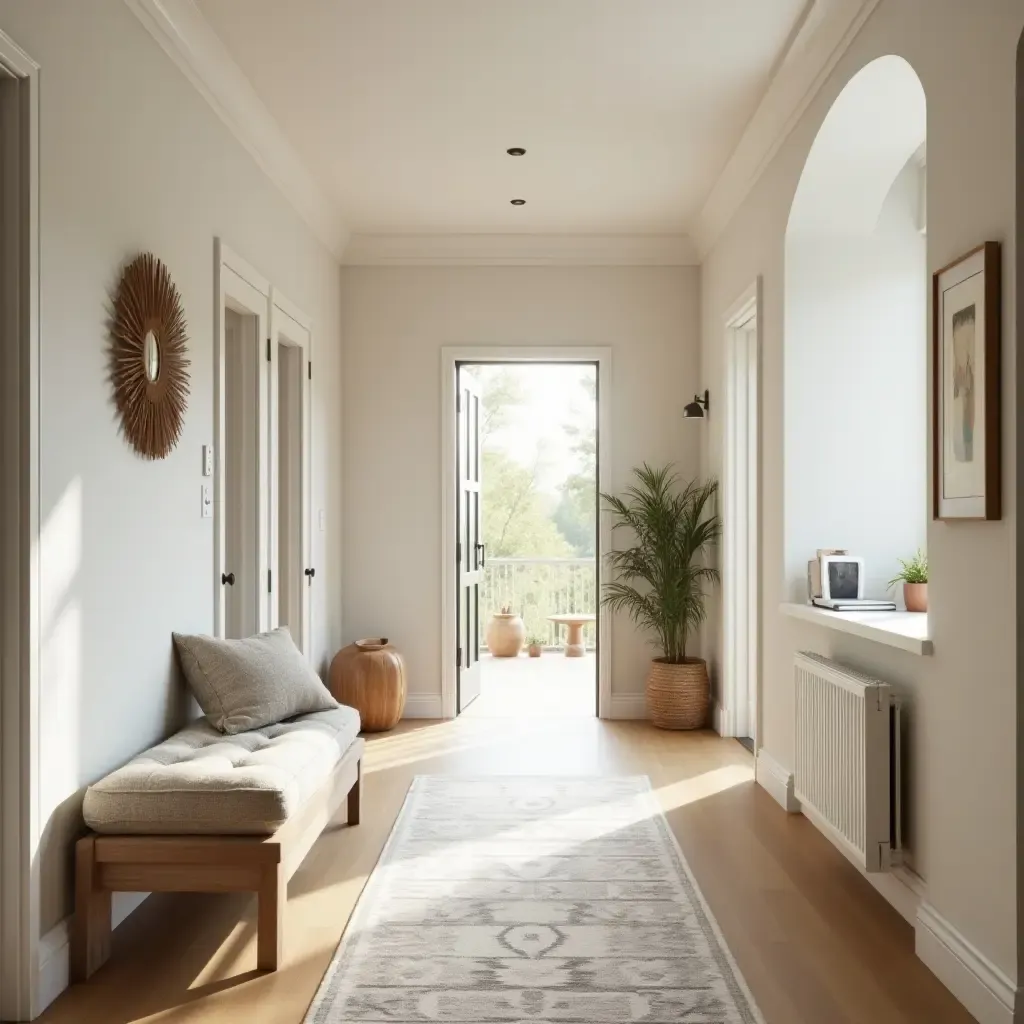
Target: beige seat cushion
{"points": [[201, 781], [246, 684]]}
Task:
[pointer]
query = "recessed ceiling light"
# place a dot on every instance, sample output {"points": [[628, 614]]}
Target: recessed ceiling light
{"points": [[518, 202], [516, 151]]}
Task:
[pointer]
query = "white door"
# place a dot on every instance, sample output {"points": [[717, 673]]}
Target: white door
{"points": [[292, 571], [470, 552], [740, 525], [241, 506]]}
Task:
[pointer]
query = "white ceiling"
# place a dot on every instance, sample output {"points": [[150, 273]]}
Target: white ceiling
{"points": [[403, 109]]}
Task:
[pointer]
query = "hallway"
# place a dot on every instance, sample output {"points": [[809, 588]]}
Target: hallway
{"points": [[814, 941]]}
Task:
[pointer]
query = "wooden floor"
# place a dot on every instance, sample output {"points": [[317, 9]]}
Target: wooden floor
{"points": [[816, 943]]}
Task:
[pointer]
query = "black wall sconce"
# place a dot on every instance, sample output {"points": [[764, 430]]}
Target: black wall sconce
{"points": [[698, 407]]}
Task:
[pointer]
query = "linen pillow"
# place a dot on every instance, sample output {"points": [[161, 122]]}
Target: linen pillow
{"points": [[247, 684]]}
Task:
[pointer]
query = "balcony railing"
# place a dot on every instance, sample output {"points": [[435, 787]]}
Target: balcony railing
{"points": [[538, 587]]}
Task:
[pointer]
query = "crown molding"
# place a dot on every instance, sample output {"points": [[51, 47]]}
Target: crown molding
{"points": [[520, 250], [824, 33], [187, 38]]}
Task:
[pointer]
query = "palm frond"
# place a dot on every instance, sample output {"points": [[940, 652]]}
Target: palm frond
{"points": [[660, 579]]}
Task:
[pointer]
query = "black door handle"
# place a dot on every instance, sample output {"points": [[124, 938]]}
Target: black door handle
{"points": [[482, 549], [311, 573], [228, 578]]}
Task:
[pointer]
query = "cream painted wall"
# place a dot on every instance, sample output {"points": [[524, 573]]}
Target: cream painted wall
{"points": [[963, 700], [395, 323], [856, 416], [133, 159]]}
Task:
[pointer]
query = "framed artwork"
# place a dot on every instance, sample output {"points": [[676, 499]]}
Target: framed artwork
{"points": [[966, 422]]}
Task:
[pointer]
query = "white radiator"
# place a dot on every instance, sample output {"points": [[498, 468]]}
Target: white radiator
{"points": [[847, 775]]}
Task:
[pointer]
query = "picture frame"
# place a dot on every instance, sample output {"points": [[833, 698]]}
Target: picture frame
{"points": [[842, 578], [966, 382]]}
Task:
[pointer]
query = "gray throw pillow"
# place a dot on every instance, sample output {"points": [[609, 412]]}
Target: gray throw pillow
{"points": [[247, 684]]}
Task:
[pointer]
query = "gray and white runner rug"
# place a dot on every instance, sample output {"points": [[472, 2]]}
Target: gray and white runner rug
{"points": [[511, 899]]}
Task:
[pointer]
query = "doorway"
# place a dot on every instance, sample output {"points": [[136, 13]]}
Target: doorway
{"points": [[263, 571], [736, 713], [524, 437]]}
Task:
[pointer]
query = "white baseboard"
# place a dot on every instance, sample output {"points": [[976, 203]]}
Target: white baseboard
{"points": [[719, 719], [626, 707], [778, 781], [982, 987], [55, 952], [423, 705]]}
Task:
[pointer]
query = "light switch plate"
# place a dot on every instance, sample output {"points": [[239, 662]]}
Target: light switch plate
{"points": [[207, 501], [207, 460]]}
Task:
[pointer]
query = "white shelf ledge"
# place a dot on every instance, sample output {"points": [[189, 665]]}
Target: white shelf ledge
{"points": [[906, 630]]}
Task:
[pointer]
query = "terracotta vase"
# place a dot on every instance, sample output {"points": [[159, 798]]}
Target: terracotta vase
{"points": [[534, 650], [678, 695], [369, 676], [915, 597], [505, 635]]}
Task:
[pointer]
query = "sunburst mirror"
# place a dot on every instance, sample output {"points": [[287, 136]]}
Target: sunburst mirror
{"points": [[150, 367]]}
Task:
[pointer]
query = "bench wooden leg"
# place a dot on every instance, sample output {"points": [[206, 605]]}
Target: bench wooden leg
{"points": [[355, 797], [271, 896], [90, 931]]}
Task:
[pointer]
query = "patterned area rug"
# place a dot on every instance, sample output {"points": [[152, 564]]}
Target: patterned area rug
{"points": [[509, 899]]}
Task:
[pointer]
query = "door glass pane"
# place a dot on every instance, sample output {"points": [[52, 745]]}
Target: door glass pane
{"points": [[290, 568]]}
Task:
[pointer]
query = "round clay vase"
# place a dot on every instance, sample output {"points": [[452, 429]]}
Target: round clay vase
{"points": [[915, 597], [678, 696], [369, 676], [505, 635], [534, 650]]}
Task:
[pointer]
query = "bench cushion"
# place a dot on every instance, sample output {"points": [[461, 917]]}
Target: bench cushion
{"points": [[201, 781]]}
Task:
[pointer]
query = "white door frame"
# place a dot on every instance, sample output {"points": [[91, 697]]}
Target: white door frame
{"points": [[20, 826], [238, 283], [289, 323], [740, 711], [450, 358]]}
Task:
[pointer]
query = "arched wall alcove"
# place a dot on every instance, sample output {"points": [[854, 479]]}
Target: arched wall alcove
{"points": [[856, 349]]}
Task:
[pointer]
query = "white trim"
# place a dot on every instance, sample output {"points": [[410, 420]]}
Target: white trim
{"points": [[187, 38], [450, 358], [825, 32], [720, 720], [907, 631], [778, 781], [238, 280], [534, 250], [299, 335], [983, 988], [20, 825], [901, 888], [54, 947], [424, 705], [627, 707], [741, 530]]}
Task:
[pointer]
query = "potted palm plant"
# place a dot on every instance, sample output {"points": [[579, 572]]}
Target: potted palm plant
{"points": [[660, 582], [913, 575]]}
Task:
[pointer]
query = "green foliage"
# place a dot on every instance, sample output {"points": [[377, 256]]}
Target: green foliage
{"points": [[536, 640], [660, 582], [576, 514], [912, 570], [516, 521]]}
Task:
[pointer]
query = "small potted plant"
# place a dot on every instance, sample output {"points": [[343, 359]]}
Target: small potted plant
{"points": [[505, 633], [661, 580], [534, 645], [913, 575]]}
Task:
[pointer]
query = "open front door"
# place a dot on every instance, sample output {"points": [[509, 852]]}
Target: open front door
{"points": [[469, 549]]}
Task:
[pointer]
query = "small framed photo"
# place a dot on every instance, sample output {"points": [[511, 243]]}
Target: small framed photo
{"points": [[966, 356], [842, 578]]}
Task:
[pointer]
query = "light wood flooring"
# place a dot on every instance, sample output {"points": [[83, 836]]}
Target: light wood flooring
{"points": [[816, 943]]}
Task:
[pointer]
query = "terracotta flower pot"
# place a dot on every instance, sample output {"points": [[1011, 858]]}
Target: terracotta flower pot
{"points": [[678, 695], [505, 635], [534, 650], [915, 597], [369, 676]]}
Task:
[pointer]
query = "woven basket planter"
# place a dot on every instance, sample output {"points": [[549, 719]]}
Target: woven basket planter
{"points": [[678, 696]]}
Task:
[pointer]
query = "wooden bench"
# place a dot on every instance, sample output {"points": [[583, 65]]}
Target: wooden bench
{"points": [[261, 864]]}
